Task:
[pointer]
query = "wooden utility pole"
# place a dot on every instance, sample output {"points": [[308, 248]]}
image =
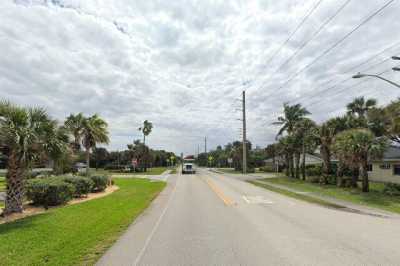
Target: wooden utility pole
{"points": [[244, 134]]}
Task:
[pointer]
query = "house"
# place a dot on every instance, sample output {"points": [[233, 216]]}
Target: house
{"points": [[388, 168], [311, 159]]}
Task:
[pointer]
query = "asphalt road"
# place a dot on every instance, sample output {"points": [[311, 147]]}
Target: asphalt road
{"points": [[212, 219]]}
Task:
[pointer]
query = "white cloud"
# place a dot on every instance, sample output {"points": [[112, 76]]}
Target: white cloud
{"points": [[182, 64]]}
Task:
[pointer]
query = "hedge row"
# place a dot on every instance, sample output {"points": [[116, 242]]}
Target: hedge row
{"points": [[58, 190]]}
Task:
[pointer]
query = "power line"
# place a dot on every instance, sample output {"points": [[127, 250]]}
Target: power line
{"points": [[321, 27], [305, 18], [367, 19]]}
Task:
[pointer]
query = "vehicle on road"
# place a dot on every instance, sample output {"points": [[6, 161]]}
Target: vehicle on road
{"points": [[188, 168]]}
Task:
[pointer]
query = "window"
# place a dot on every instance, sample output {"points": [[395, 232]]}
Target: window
{"points": [[396, 169], [369, 167], [385, 166]]}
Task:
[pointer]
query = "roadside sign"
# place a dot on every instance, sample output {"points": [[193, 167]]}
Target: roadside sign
{"points": [[134, 162]]}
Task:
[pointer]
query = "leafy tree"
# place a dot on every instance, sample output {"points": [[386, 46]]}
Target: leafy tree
{"points": [[292, 114], [357, 146], [94, 131], [359, 107], [26, 134]]}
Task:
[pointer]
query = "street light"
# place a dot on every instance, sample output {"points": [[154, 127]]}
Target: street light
{"points": [[396, 69], [396, 57], [359, 75]]}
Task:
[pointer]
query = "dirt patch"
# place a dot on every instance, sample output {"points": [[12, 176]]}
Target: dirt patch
{"points": [[30, 210]]}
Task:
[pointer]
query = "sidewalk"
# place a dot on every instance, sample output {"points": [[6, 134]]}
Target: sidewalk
{"points": [[347, 206]]}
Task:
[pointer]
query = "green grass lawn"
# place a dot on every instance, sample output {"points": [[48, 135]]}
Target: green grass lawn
{"points": [[2, 184], [375, 198], [150, 171], [77, 234]]}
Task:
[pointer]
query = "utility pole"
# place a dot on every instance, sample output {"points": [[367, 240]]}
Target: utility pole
{"points": [[205, 150], [244, 134]]}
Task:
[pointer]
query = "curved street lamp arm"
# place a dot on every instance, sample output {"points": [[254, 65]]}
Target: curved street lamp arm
{"points": [[379, 77]]}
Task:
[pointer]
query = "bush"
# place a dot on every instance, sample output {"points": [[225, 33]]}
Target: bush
{"points": [[313, 170], [100, 183], [392, 189], [268, 169], [312, 179], [83, 185], [49, 192]]}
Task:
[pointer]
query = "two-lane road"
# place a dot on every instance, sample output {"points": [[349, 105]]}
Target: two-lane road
{"points": [[212, 219]]}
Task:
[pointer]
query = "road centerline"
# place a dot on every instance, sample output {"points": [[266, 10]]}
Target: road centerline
{"points": [[227, 201]]}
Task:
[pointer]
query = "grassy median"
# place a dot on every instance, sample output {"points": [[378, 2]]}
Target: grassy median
{"points": [[375, 198], [77, 234]]}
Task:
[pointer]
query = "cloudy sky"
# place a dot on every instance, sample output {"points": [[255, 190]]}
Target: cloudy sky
{"points": [[183, 64]]}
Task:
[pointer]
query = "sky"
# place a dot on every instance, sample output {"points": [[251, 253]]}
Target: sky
{"points": [[183, 64]]}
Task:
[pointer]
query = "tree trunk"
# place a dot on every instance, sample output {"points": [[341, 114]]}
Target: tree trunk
{"points": [[364, 175], [297, 165], [15, 186], [144, 154], [354, 178], [87, 161], [326, 167], [339, 174], [303, 164], [287, 168], [291, 163]]}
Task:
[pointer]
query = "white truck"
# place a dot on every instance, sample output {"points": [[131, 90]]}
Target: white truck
{"points": [[188, 167]]}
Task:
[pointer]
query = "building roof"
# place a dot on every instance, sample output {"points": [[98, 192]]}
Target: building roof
{"points": [[393, 152]]}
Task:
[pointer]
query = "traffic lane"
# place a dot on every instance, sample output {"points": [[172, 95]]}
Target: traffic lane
{"points": [[312, 232], [199, 229]]}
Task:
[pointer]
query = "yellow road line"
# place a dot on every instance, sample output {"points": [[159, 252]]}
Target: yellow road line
{"points": [[227, 201]]}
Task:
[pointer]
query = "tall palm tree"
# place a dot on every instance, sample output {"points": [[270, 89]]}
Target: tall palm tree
{"points": [[292, 115], [94, 131], [306, 132], [74, 124], [326, 134], [358, 146], [359, 106], [146, 130], [26, 134]]}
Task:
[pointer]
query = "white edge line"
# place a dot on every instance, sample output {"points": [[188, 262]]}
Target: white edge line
{"points": [[153, 231]]}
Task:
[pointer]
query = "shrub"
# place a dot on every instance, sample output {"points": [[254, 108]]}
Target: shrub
{"points": [[312, 179], [83, 185], [392, 189], [313, 170], [49, 192], [267, 169], [100, 183]]}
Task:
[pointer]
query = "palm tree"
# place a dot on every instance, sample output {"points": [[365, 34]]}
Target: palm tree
{"points": [[94, 131], [326, 134], [146, 130], [292, 115], [25, 135], [74, 124], [359, 107], [306, 132], [358, 146]]}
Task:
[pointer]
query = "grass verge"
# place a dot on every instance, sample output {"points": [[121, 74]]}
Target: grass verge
{"points": [[77, 234], [2, 184], [303, 197], [375, 198], [150, 171]]}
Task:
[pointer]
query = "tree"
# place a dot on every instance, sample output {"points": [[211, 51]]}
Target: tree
{"points": [[306, 132], [292, 115], [94, 131], [358, 146], [359, 107], [74, 125], [146, 130], [392, 121], [26, 134], [326, 134]]}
